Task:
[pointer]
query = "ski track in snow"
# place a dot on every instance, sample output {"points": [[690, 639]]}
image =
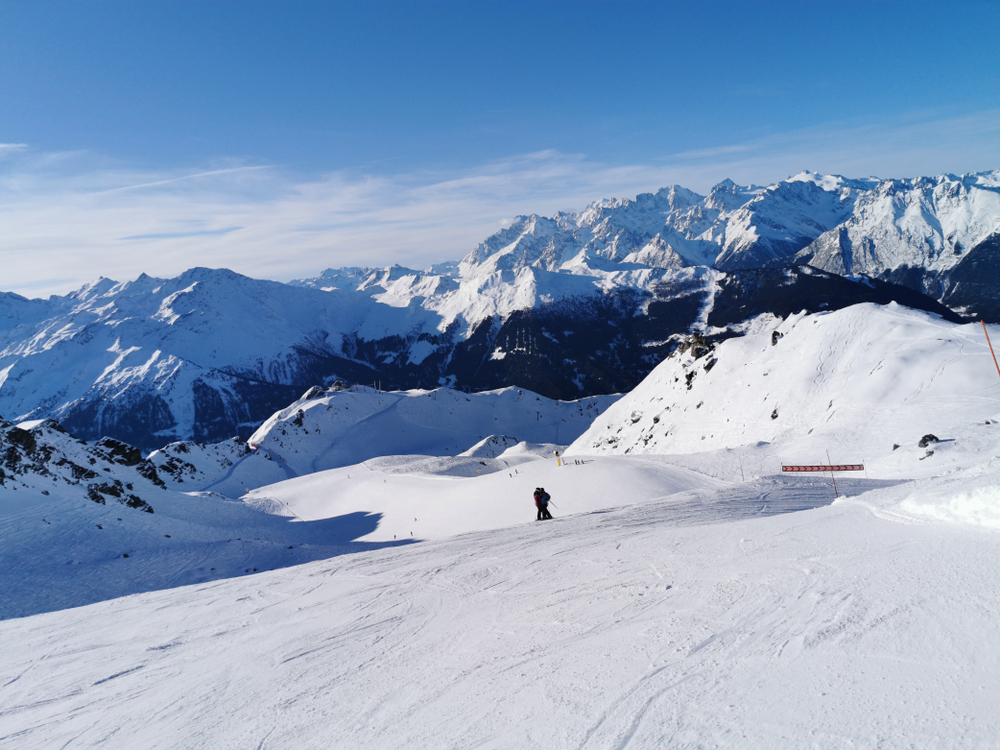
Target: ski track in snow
{"points": [[671, 624]]}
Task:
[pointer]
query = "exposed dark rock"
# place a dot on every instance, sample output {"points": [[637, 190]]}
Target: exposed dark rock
{"points": [[99, 492], [119, 452], [79, 472], [973, 286], [147, 470], [784, 291], [22, 438]]}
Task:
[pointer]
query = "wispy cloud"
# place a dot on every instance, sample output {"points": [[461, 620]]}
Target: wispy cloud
{"points": [[173, 180], [708, 153], [70, 217], [173, 235]]}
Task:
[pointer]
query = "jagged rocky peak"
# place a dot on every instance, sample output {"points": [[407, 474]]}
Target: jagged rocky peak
{"points": [[728, 196], [42, 456], [533, 241], [678, 197], [833, 182], [660, 203], [912, 231], [526, 233], [657, 253], [337, 278]]}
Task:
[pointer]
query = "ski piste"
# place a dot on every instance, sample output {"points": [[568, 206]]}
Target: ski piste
{"points": [[689, 589]]}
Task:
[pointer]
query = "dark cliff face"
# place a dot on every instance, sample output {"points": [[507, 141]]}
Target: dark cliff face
{"points": [[577, 347], [973, 286], [607, 343], [970, 288], [782, 291]]}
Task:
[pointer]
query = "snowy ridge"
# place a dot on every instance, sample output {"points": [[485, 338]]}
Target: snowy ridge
{"points": [[353, 425], [923, 223], [865, 383]]}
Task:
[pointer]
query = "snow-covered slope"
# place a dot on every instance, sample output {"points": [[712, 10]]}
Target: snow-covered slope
{"points": [[865, 384], [686, 595], [828, 628], [350, 425]]}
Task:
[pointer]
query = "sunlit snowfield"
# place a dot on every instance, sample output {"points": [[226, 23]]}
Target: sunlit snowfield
{"points": [[687, 622]]}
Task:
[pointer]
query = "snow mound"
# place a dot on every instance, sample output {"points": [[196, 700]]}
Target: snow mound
{"points": [[966, 497], [976, 505], [491, 447], [423, 498], [526, 449]]}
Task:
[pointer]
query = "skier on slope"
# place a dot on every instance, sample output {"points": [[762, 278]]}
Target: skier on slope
{"points": [[542, 503]]}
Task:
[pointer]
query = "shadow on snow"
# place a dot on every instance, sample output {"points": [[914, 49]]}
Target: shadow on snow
{"points": [[101, 554]]}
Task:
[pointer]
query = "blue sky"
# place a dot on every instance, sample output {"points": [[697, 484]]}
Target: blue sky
{"points": [[281, 138]]}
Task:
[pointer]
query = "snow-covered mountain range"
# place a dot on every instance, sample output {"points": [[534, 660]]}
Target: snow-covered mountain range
{"points": [[567, 306]]}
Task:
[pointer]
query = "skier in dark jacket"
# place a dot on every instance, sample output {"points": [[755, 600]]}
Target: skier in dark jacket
{"points": [[542, 503]]}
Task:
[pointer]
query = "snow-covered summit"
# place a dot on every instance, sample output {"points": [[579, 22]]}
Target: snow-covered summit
{"points": [[927, 225], [865, 383]]}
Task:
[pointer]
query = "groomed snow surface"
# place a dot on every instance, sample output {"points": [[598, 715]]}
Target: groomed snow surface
{"points": [[681, 598]]}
